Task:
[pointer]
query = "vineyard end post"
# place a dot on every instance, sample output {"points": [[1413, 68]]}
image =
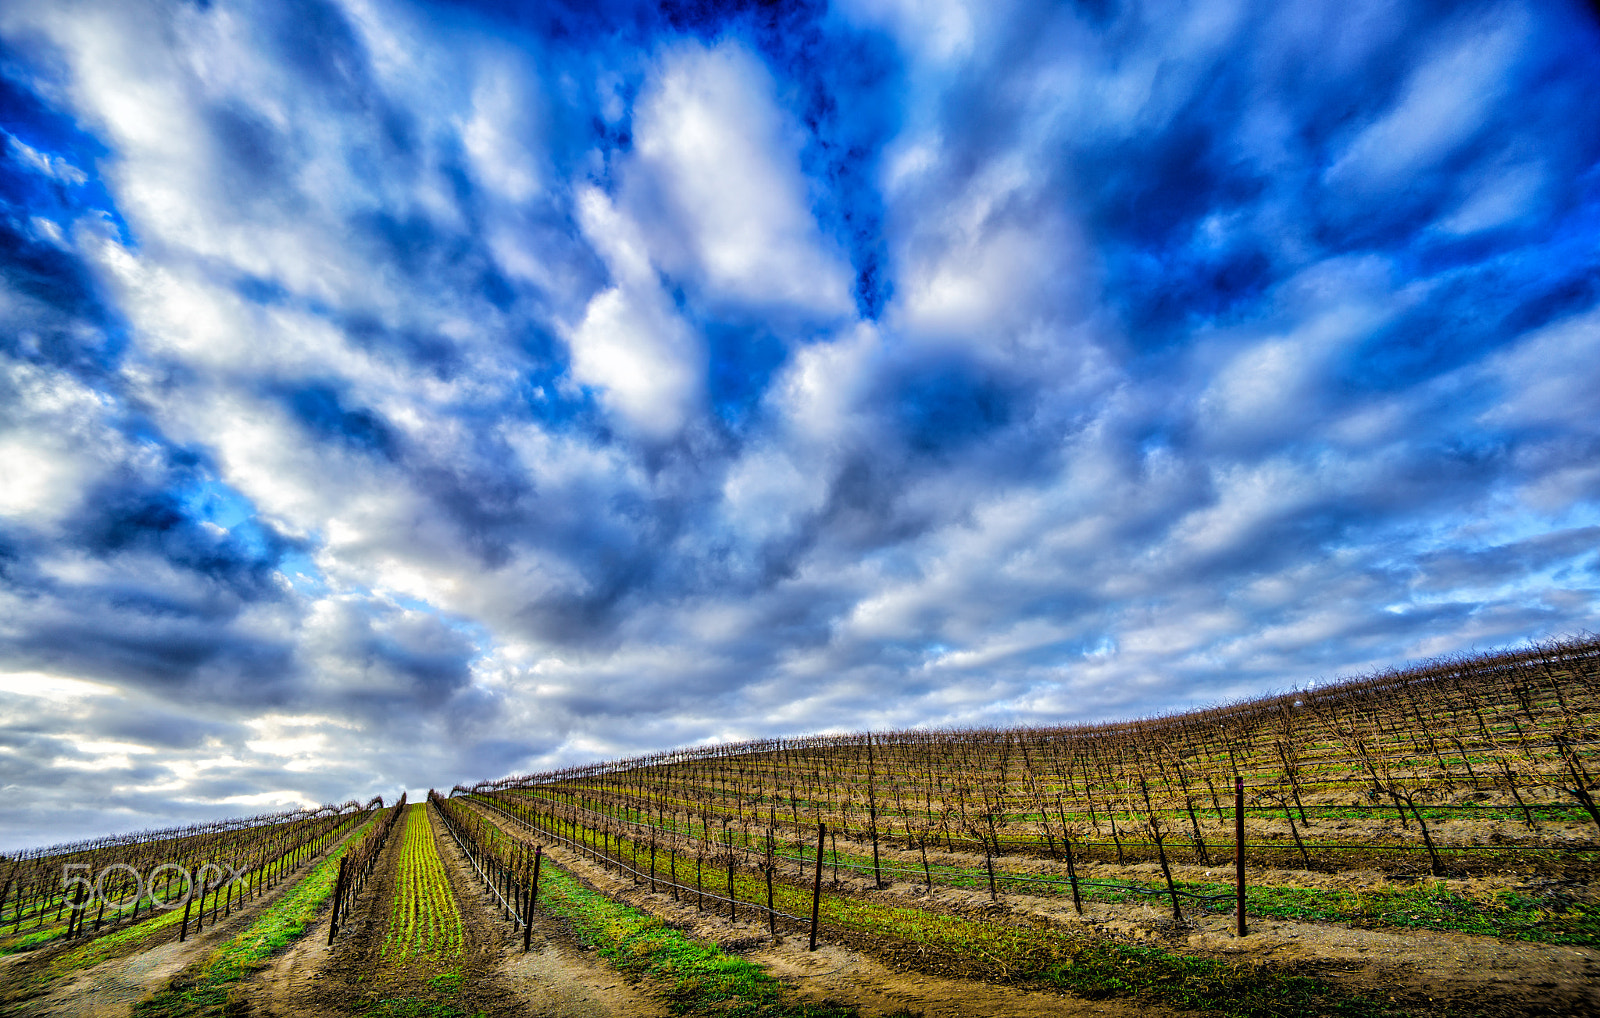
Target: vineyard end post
{"points": [[816, 885], [733, 904], [338, 897], [1238, 848], [1072, 874], [533, 896]]}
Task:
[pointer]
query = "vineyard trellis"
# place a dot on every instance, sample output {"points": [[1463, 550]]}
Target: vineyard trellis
{"points": [[357, 864], [1457, 766], [50, 893], [505, 865]]}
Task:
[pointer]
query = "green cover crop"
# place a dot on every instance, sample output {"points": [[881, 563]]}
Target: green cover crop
{"points": [[425, 922]]}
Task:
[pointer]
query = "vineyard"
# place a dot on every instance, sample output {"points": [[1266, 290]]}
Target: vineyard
{"points": [[82, 889], [1472, 766], [1477, 771], [78, 906], [1139, 860]]}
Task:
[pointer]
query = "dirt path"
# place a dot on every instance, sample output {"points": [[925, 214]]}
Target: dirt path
{"points": [[835, 972], [1485, 972], [111, 988]]}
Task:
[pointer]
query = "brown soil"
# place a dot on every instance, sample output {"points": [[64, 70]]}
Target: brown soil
{"points": [[1473, 974], [836, 972], [111, 988]]}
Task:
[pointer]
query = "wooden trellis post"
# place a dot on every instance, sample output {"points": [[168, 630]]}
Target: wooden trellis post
{"points": [[338, 899], [816, 885]]}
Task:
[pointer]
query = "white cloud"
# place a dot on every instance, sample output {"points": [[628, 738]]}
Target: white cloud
{"points": [[1443, 103], [711, 138], [503, 132], [1549, 377], [989, 260], [632, 343], [53, 166], [1274, 389], [941, 32], [54, 444], [60, 689], [1502, 195]]}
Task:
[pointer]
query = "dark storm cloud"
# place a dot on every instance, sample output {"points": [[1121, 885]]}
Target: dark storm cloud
{"points": [[405, 394]]}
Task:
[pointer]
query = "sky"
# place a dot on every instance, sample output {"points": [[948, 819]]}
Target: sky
{"points": [[398, 394]]}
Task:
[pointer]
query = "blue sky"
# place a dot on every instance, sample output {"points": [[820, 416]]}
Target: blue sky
{"points": [[396, 394]]}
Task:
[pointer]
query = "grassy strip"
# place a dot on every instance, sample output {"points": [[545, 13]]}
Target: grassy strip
{"points": [[140, 928], [425, 922], [1548, 920], [101, 948], [701, 979], [28, 941], [288, 918]]}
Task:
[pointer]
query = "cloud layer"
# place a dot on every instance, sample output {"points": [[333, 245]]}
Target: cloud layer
{"points": [[395, 394]]}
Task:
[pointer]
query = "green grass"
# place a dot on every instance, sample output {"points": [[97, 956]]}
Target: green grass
{"points": [[140, 928], [205, 992], [416, 1007], [1430, 905], [28, 941]]}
